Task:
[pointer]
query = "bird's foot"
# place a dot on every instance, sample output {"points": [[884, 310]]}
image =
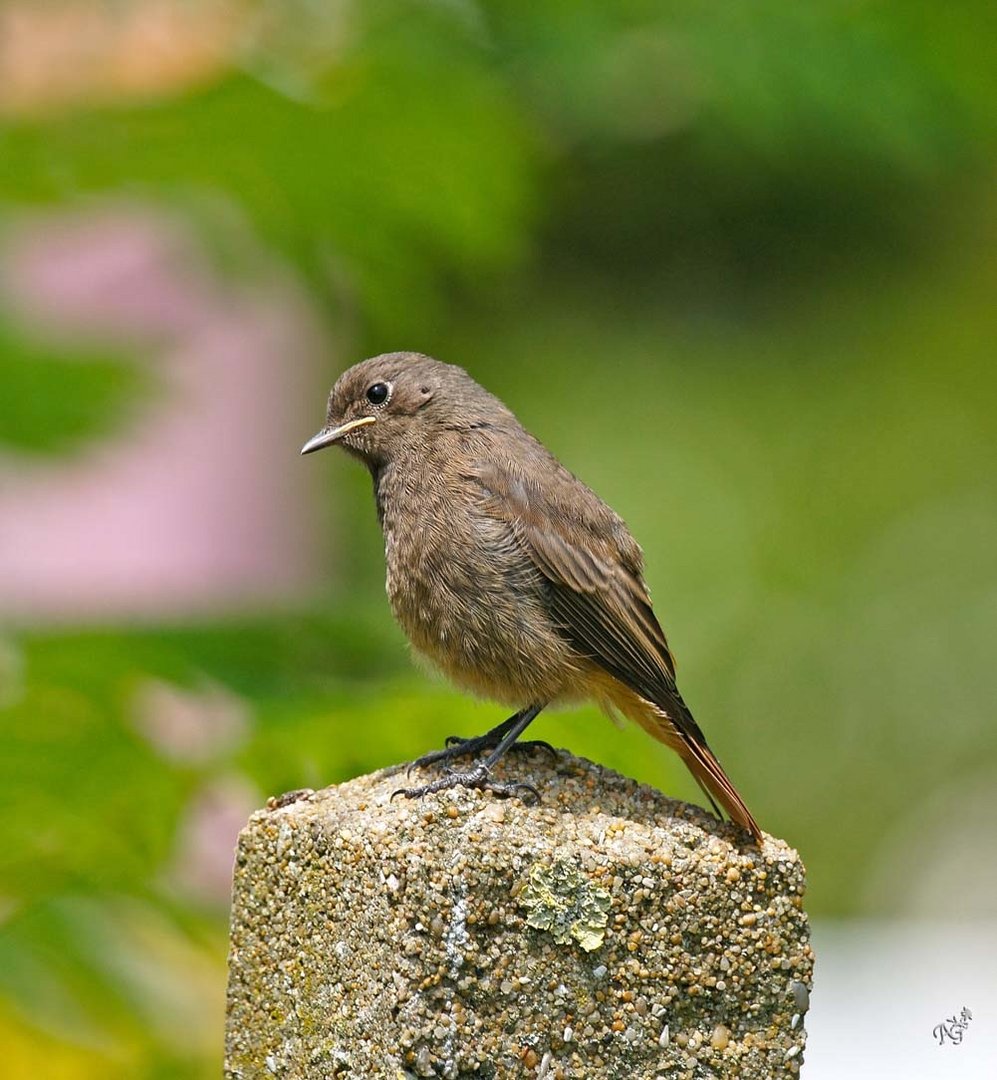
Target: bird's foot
{"points": [[479, 777], [490, 740], [458, 747]]}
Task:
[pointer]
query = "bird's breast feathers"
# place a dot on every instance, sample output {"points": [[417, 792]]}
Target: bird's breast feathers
{"points": [[469, 601]]}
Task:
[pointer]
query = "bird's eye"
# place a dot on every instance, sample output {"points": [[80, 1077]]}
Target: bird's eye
{"points": [[377, 394]]}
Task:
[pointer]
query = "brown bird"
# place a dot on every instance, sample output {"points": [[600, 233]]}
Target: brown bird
{"points": [[504, 569]]}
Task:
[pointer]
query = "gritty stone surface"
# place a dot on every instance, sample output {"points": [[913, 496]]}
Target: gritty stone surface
{"points": [[608, 932]]}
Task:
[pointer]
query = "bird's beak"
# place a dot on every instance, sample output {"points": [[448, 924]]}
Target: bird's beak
{"points": [[327, 436]]}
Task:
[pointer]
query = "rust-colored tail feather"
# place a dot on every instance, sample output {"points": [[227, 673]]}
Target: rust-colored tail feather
{"points": [[687, 741], [710, 776]]}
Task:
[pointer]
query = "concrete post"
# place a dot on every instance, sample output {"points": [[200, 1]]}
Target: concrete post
{"points": [[608, 932]]}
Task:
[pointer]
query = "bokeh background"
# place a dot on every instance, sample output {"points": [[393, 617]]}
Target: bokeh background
{"points": [[734, 262]]}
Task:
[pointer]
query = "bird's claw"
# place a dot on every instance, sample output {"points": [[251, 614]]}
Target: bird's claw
{"points": [[478, 777], [456, 746], [521, 785], [537, 744]]}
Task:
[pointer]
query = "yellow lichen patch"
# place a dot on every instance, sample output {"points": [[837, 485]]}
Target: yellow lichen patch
{"points": [[566, 903]]}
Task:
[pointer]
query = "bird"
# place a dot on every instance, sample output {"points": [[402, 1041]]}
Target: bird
{"points": [[506, 571]]}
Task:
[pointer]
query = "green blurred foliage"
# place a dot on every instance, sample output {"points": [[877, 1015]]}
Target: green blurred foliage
{"points": [[731, 261], [402, 158], [95, 393]]}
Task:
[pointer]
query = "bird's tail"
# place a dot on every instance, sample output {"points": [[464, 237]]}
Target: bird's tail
{"points": [[710, 776], [685, 738]]}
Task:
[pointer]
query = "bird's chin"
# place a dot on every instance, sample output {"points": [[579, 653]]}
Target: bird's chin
{"points": [[354, 447], [360, 448]]}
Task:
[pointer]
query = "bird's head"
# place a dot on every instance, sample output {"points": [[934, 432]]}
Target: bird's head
{"points": [[399, 401]]}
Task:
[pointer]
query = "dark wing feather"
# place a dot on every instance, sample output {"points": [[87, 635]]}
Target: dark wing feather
{"points": [[593, 566]]}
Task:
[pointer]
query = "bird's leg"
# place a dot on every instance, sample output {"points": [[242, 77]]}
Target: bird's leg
{"points": [[479, 776], [457, 747]]}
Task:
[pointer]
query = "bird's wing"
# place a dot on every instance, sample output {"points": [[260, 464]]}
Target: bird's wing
{"points": [[597, 596], [596, 593]]}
